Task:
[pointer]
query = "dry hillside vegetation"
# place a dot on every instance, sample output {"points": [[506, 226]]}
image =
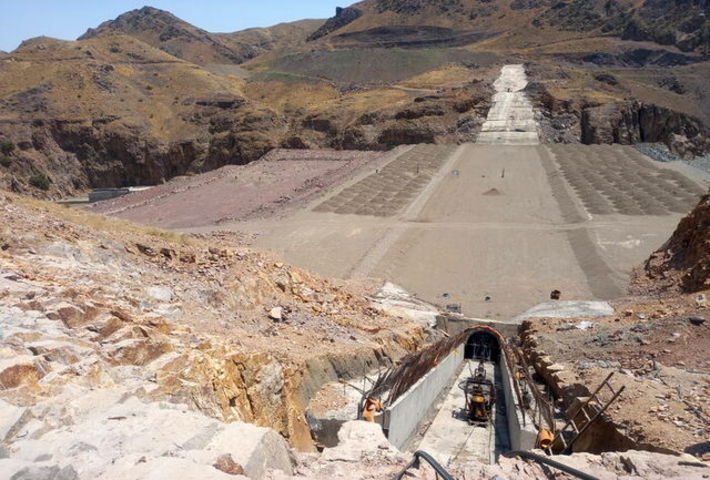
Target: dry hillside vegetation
{"points": [[146, 96]]}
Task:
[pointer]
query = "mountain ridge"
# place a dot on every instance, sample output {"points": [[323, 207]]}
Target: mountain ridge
{"points": [[147, 96], [181, 39]]}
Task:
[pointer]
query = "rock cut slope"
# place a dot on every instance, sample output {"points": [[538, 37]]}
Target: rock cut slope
{"points": [[680, 23], [683, 263], [104, 306]]}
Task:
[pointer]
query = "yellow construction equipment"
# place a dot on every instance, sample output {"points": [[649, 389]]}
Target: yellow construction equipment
{"points": [[371, 408]]}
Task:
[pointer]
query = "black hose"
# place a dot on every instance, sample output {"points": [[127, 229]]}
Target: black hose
{"points": [[552, 463], [419, 454]]}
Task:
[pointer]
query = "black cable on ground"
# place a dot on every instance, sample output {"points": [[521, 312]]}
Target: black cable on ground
{"points": [[552, 463], [421, 455]]}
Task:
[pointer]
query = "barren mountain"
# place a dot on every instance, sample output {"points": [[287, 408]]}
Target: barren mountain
{"points": [[166, 32], [123, 106], [113, 110], [681, 23]]}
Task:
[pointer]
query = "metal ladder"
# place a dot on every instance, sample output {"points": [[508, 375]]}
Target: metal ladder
{"points": [[593, 401]]}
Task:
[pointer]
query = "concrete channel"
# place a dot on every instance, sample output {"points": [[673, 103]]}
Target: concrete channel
{"points": [[511, 120], [431, 414]]}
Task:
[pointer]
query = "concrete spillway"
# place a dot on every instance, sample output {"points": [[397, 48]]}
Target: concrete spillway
{"points": [[510, 120], [450, 438], [431, 415]]}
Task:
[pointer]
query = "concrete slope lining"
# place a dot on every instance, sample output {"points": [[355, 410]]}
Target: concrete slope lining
{"points": [[511, 120]]}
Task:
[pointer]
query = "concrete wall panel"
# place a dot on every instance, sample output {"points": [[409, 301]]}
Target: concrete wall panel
{"points": [[404, 416]]}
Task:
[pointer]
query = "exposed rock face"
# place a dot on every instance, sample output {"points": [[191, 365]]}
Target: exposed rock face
{"points": [[683, 263], [124, 312], [449, 116], [103, 436], [343, 16], [165, 31], [682, 23], [625, 122], [416, 7], [636, 122], [586, 15], [104, 126]]}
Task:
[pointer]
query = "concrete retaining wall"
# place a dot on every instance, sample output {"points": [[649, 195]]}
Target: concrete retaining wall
{"points": [[522, 437], [403, 417], [453, 325], [100, 195]]}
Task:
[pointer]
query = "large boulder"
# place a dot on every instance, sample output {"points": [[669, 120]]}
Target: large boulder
{"points": [[132, 439]]}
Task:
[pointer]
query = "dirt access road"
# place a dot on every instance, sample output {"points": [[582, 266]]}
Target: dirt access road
{"points": [[495, 228]]}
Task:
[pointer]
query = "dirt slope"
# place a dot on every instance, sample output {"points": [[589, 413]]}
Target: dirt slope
{"points": [[683, 263], [113, 110], [655, 344]]}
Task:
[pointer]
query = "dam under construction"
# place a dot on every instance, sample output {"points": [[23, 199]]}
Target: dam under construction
{"points": [[475, 395]]}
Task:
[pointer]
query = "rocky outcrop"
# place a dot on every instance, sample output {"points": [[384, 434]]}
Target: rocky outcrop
{"points": [[165, 31], [343, 16], [637, 122], [448, 116], [682, 23], [416, 7], [585, 15], [683, 262], [130, 311], [103, 438], [80, 155], [637, 57]]}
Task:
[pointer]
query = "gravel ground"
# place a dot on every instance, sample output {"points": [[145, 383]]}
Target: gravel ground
{"points": [[660, 152]]}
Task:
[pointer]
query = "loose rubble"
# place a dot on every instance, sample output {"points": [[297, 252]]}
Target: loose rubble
{"points": [[101, 320]]}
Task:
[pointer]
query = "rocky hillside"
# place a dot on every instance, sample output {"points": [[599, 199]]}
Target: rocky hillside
{"points": [[147, 96], [92, 306], [683, 263], [166, 32], [681, 23], [112, 111]]}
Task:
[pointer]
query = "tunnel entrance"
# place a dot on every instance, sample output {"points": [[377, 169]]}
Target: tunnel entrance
{"points": [[482, 345]]}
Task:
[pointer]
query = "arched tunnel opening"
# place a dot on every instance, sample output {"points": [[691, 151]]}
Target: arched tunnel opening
{"points": [[482, 345]]}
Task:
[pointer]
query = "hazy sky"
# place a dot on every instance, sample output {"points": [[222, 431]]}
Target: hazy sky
{"points": [[68, 19]]}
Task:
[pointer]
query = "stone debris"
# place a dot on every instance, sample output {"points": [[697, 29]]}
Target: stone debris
{"points": [[102, 321], [364, 453], [697, 321], [130, 439], [396, 301], [276, 313]]}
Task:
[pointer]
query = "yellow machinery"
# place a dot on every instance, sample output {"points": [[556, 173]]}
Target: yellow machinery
{"points": [[480, 396]]}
